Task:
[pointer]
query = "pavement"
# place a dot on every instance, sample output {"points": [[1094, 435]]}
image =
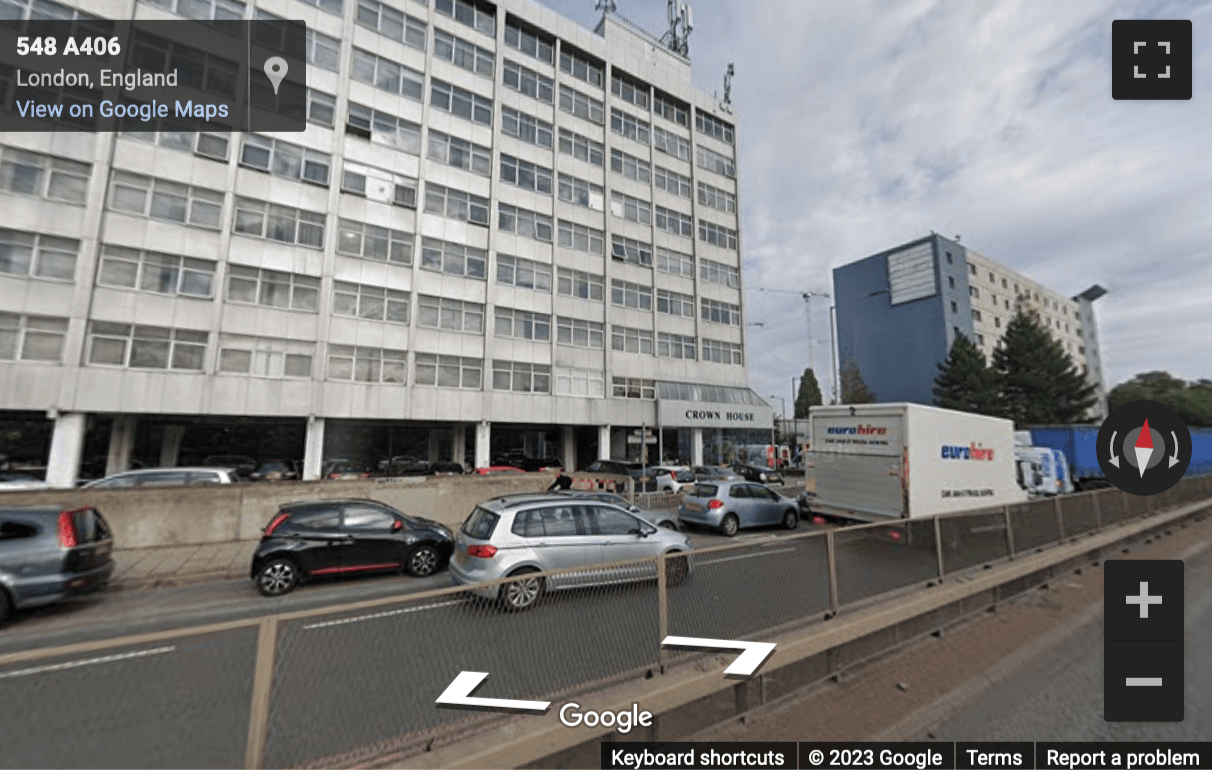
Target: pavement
{"points": [[180, 565]]}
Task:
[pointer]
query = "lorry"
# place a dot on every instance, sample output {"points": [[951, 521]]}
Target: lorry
{"points": [[879, 462], [1077, 443], [1041, 470]]}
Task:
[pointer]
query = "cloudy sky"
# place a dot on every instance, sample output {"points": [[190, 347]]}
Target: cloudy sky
{"points": [[868, 123]]}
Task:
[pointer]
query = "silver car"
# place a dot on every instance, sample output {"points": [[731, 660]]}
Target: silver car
{"points": [[166, 477], [523, 535], [732, 505]]}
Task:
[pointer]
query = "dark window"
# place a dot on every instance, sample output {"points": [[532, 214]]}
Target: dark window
{"points": [[740, 492], [202, 477], [162, 479], [480, 524], [564, 521], [366, 518], [316, 519], [528, 524], [704, 490], [11, 530], [763, 493], [607, 521]]}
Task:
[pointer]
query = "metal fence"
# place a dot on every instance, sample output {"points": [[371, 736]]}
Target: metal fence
{"points": [[324, 687]]}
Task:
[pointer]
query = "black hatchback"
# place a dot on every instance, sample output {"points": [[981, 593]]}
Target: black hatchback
{"points": [[309, 539]]}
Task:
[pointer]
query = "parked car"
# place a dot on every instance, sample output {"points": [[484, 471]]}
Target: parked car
{"points": [[313, 538], [759, 473], [672, 479], [277, 470], [713, 473], [733, 505], [522, 535], [405, 465], [245, 466], [538, 464], [15, 480], [446, 468], [166, 477], [48, 554], [663, 519], [345, 470], [642, 474]]}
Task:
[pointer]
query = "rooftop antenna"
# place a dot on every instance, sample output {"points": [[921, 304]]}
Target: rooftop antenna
{"points": [[607, 6], [681, 23], [726, 105]]}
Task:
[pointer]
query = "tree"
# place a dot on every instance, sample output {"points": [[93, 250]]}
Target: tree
{"points": [[1037, 381], [854, 389], [1192, 401], [964, 382], [808, 396]]}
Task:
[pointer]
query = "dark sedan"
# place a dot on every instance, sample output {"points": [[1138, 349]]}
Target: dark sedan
{"points": [[277, 470], [759, 473], [315, 538]]}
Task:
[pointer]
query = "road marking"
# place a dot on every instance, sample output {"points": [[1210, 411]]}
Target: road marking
{"points": [[87, 662], [744, 556], [387, 614]]}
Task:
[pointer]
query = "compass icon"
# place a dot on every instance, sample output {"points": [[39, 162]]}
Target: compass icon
{"points": [[1144, 448]]}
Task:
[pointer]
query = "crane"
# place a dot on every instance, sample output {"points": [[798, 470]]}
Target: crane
{"points": [[807, 297]]}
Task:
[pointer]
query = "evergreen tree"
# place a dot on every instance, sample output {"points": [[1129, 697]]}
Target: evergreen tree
{"points": [[854, 389], [1037, 381], [964, 382], [808, 396]]}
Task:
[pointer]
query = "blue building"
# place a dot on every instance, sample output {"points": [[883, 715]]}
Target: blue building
{"points": [[899, 311]]}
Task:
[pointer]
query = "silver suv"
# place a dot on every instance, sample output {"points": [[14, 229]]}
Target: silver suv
{"points": [[519, 535]]}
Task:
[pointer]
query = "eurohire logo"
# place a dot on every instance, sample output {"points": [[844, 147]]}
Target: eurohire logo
{"points": [[858, 430], [970, 452]]}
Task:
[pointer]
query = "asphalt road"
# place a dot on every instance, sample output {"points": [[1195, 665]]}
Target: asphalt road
{"points": [[344, 682]]}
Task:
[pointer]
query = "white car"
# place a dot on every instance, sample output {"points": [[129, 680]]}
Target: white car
{"points": [[13, 480], [671, 478], [165, 477]]}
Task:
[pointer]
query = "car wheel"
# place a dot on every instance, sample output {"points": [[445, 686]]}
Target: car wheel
{"points": [[277, 577], [669, 525], [422, 561], [6, 606], [524, 593], [730, 525], [676, 568], [791, 519]]}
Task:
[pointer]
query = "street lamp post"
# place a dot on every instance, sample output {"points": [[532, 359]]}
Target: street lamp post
{"points": [[773, 442]]}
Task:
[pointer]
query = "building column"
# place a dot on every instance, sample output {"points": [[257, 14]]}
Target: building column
{"points": [[483, 444], [435, 445], [603, 442], [459, 444], [170, 445], [569, 449], [696, 446], [67, 442], [313, 449], [121, 444]]}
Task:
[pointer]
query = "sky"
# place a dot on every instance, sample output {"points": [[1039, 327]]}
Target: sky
{"points": [[864, 124]]}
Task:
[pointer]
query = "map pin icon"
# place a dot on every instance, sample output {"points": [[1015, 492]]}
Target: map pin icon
{"points": [[275, 70]]}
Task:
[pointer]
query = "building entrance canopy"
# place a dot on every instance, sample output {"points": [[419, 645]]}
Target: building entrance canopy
{"points": [[688, 405]]}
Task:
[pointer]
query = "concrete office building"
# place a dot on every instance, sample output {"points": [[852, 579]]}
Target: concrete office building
{"points": [[898, 313], [501, 230]]}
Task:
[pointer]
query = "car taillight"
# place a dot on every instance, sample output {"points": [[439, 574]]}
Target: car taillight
{"points": [[334, 475], [281, 517], [715, 504], [482, 551], [67, 529], [895, 534], [365, 475]]}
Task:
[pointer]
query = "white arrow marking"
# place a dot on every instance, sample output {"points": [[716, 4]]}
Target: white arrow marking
{"points": [[1114, 457], [747, 663], [1143, 453], [458, 694], [1174, 458]]}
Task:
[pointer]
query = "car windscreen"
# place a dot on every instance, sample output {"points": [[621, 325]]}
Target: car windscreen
{"points": [[704, 490], [480, 524], [684, 476]]}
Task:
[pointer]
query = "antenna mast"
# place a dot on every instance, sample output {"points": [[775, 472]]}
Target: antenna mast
{"points": [[681, 24]]}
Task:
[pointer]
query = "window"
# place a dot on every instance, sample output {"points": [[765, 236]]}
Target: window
{"points": [[452, 151], [720, 352], [630, 166], [576, 103], [631, 295], [976, 315], [675, 346], [379, 185], [533, 44], [629, 250], [145, 347], [631, 208], [675, 222], [582, 238], [373, 303], [576, 283], [359, 364], [389, 22], [579, 332], [456, 205], [633, 128], [164, 200], [717, 235], [321, 110], [972, 270], [630, 91], [974, 292], [674, 263], [980, 339], [272, 288], [469, 13], [528, 128], [670, 143], [382, 128], [580, 192], [38, 255], [522, 325], [44, 176], [211, 146], [528, 224], [205, 71], [453, 259], [1003, 283], [202, 9], [580, 66], [279, 223], [450, 314], [674, 183], [718, 272], [951, 282], [993, 298], [713, 127], [449, 371], [463, 54], [713, 161], [717, 199], [386, 75], [526, 81], [628, 340], [954, 309], [581, 147], [523, 273], [286, 160], [580, 382], [720, 312], [991, 278], [670, 109], [460, 102], [32, 337], [521, 377], [675, 303], [1007, 304], [997, 322], [323, 51], [367, 518], [264, 356], [633, 387], [949, 258], [156, 272]]}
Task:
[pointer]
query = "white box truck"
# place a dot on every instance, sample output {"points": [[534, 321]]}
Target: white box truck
{"points": [[876, 462]]}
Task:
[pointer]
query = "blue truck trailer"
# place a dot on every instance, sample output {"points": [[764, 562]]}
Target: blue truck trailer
{"points": [[1077, 443]]}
